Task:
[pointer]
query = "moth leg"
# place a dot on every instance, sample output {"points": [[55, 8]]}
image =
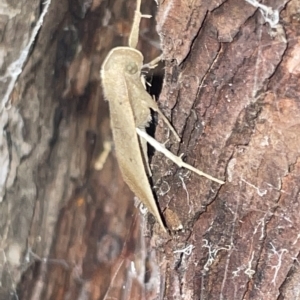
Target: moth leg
{"points": [[153, 63], [144, 148], [177, 160], [153, 105], [151, 102], [134, 33]]}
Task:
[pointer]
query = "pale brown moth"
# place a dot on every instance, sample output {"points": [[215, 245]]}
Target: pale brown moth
{"points": [[129, 105]]}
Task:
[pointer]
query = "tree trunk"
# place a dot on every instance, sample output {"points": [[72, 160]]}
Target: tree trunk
{"points": [[69, 229]]}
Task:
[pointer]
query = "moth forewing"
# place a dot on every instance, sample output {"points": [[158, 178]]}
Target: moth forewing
{"points": [[120, 75]]}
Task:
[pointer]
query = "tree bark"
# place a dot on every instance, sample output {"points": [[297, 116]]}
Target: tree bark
{"points": [[69, 230]]}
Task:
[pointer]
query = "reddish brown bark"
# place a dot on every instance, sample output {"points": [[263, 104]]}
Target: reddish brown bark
{"points": [[232, 88]]}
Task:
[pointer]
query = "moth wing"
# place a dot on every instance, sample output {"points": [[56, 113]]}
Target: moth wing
{"points": [[138, 98], [128, 151]]}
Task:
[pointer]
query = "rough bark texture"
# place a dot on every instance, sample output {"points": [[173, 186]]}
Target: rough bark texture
{"points": [[231, 88]]}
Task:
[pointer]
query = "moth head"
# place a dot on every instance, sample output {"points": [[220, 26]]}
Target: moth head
{"points": [[131, 67], [123, 59]]}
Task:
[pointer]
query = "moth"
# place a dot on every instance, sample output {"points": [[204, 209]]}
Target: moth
{"points": [[129, 105]]}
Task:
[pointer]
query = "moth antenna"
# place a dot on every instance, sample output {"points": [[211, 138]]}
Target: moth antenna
{"points": [[134, 34]]}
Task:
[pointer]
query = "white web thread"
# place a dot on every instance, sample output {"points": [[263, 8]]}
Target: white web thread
{"points": [[270, 15]]}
